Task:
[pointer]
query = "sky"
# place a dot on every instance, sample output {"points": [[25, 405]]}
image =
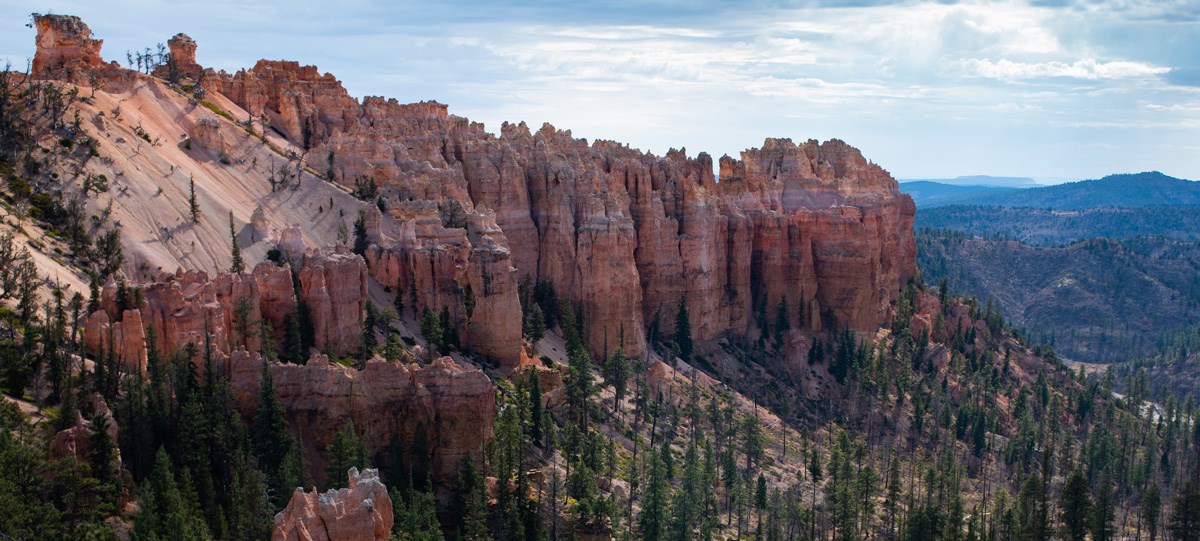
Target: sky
{"points": [[1051, 89]]}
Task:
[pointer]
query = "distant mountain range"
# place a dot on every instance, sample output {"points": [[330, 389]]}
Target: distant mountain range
{"points": [[1124, 190], [1099, 268], [979, 180]]}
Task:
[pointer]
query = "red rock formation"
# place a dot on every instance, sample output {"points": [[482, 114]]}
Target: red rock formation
{"points": [[469, 271], [450, 405], [334, 287], [360, 512], [125, 339], [624, 233], [74, 441], [64, 43], [189, 308]]}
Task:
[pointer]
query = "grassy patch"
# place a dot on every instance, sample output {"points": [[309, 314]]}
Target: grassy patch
{"points": [[213, 107]]}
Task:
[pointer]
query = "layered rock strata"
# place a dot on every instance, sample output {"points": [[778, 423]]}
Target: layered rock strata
{"points": [[626, 234], [224, 313]]}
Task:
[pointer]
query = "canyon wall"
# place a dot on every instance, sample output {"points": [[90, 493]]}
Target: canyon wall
{"points": [[625, 233]]}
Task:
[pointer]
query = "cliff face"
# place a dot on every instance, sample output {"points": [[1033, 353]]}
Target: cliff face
{"points": [[225, 311], [445, 406], [625, 233]]}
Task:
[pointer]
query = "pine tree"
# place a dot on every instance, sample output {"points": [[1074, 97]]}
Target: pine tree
{"points": [[345, 451], [165, 513], [236, 266], [368, 342], [270, 438], [535, 407], [193, 206], [1185, 514], [1151, 508], [683, 332], [652, 518], [535, 326], [102, 453], [1075, 507], [398, 300], [781, 320], [687, 506], [616, 373], [1103, 511], [431, 331], [360, 234]]}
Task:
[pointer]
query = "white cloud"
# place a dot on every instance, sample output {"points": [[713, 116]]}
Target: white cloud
{"points": [[1090, 69]]}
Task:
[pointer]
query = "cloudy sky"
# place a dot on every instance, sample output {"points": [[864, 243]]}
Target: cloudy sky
{"points": [[1051, 89]]}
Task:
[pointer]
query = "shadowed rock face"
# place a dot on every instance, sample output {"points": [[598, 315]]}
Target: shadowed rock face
{"points": [[625, 233], [360, 512], [445, 406]]}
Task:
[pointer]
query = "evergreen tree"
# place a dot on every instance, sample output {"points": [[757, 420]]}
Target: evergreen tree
{"points": [[165, 514], [535, 327], [652, 518], [1185, 514], [398, 300], [360, 234], [1075, 507], [193, 206], [293, 341], [415, 517], [271, 440], [237, 265], [616, 373], [1151, 508], [1103, 511], [449, 331], [683, 332], [535, 407], [687, 506], [580, 384], [102, 454], [781, 320], [431, 331], [368, 342], [345, 451]]}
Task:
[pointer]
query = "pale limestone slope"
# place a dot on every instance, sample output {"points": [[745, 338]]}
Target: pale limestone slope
{"points": [[149, 182]]}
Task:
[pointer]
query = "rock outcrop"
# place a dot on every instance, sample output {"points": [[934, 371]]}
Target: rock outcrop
{"points": [[444, 407], [360, 512], [223, 313], [64, 43], [625, 234], [75, 442]]}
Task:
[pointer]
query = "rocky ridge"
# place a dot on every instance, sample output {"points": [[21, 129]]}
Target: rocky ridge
{"points": [[626, 234]]}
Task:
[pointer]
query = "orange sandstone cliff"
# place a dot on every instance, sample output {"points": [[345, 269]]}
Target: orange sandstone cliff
{"points": [[625, 233]]}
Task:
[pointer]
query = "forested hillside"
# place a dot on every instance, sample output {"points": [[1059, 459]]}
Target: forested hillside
{"points": [[1094, 300], [1048, 227]]}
